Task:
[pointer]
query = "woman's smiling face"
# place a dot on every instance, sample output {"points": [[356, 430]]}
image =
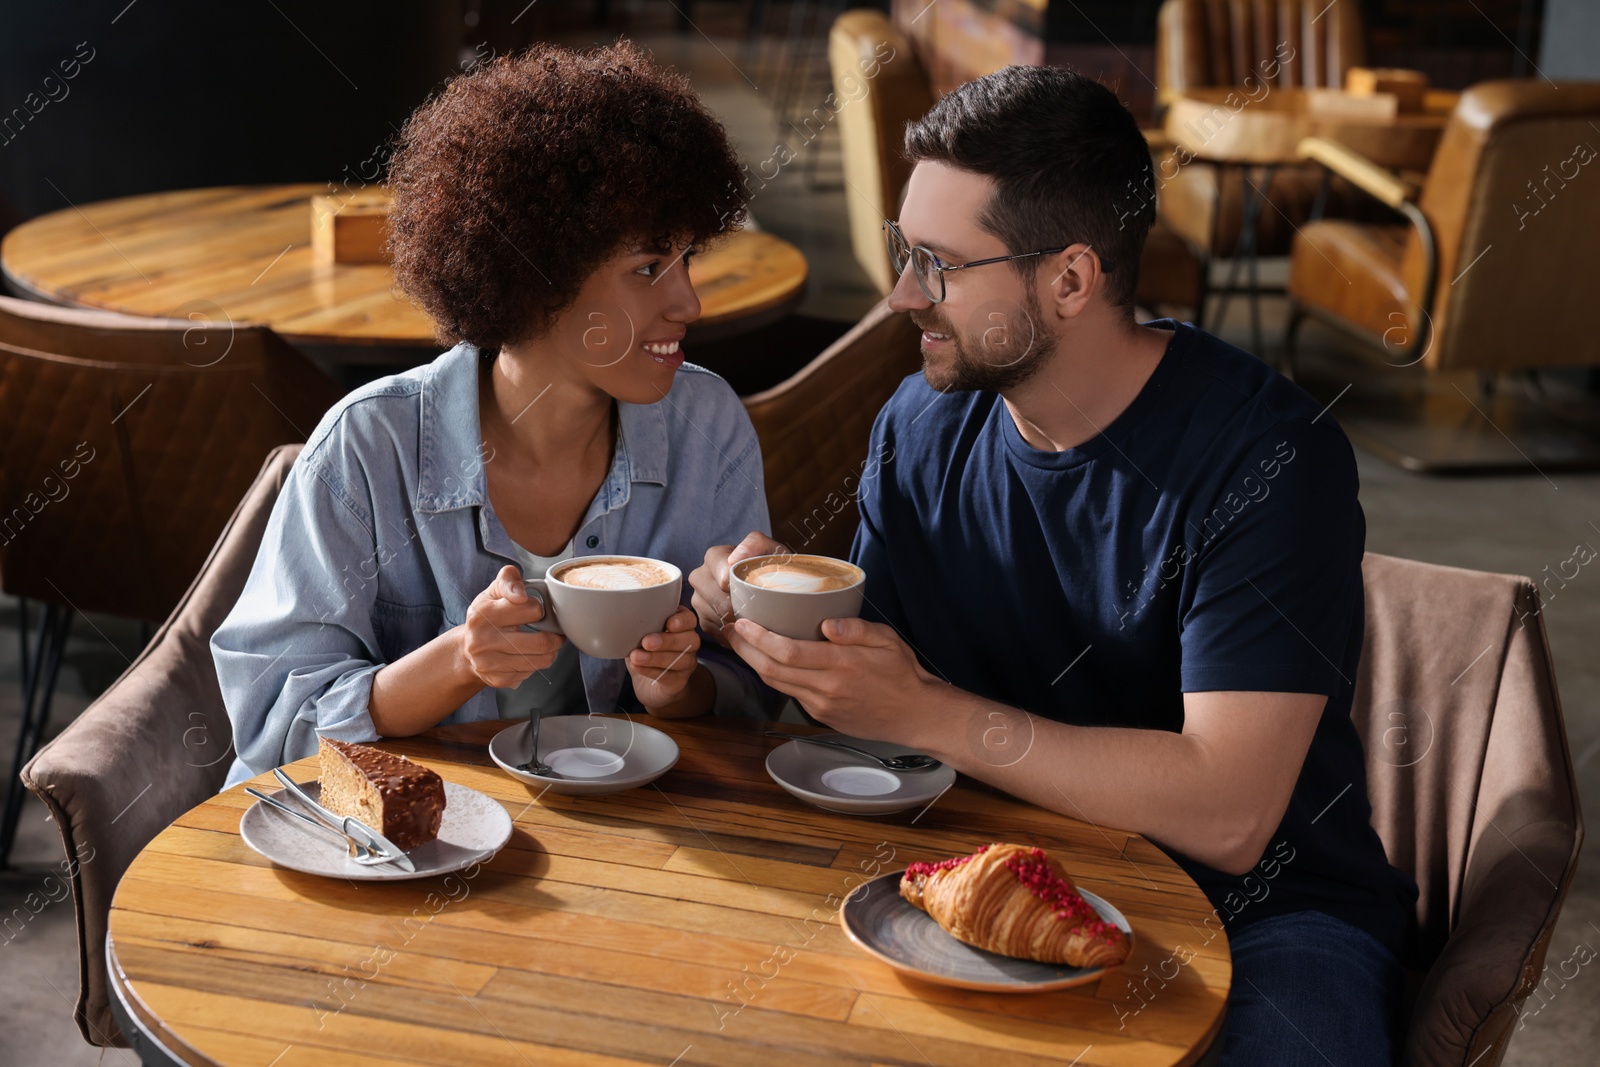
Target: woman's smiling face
{"points": [[623, 333]]}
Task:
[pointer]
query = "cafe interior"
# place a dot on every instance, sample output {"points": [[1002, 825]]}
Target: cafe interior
{"points": [[1388, 203]]}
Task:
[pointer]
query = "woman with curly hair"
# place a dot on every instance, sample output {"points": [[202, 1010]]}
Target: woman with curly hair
{"points": [[545, 209]]}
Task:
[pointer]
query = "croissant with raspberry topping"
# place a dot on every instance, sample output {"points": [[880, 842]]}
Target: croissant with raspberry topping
{"points": [[1015, 901]]}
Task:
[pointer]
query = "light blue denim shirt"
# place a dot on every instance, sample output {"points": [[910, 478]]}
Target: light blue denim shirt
{"points": [[384, 534]]}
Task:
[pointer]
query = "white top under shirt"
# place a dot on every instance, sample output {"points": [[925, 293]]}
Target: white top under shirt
{"points": [[558, 689]]}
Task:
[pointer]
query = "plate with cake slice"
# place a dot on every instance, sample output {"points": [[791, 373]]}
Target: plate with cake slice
{"points": [[441, 826], [1005, 919]]}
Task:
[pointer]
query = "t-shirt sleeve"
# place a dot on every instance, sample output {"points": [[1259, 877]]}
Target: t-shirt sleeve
{"points": [[1274, 583]]}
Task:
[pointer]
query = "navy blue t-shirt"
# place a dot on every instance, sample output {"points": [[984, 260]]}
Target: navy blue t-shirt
{"points": [[1209, 539]]}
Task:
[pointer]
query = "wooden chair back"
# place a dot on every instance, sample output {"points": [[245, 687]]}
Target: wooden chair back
{"points": [[1305, 44], [814, 431]]}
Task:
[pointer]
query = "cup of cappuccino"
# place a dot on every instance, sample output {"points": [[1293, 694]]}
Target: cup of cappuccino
{"points": [[605, 605], [791, 594]]}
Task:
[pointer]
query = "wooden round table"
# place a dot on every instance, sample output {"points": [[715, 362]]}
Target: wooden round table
{"points": [[243, 254], [693, 921]]}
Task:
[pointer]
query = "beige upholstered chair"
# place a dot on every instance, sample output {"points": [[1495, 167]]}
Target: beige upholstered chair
{"points": [[885, 94], [814, 430], [154, 745], [1472, 789]]}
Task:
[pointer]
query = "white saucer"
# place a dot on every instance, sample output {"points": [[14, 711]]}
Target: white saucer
{"points": [[840, 781], [590, 754]]}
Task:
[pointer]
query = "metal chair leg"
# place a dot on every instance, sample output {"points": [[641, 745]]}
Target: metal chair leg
{"points": [[22, 640], [55, 625], [1291, 334]]}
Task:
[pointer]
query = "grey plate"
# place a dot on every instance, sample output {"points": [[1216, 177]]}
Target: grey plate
{"points": [[888, 926], [842, 782], [591, 754], [473, 829]]}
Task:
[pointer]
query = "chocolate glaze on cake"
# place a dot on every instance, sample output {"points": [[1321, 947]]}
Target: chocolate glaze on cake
{"points": [[403, 801]]}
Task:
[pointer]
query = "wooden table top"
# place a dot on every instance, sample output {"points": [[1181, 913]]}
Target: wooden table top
{"points": [[693, 921], [243, 253], [1226, 126]]}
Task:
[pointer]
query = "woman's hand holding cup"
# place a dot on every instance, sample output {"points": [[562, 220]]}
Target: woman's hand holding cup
{"points": [[710, 581], [664, 663], [494, 649]]}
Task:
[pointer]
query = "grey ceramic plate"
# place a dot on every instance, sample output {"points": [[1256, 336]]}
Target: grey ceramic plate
{"points": [[880, 920], [473, 829], [841, 781], [590, 754]]}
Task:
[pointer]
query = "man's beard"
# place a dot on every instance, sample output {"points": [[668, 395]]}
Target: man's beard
{"points": [[1007, 348]]}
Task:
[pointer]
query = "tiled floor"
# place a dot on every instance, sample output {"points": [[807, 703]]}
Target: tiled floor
{"points": [[1517, 524]]}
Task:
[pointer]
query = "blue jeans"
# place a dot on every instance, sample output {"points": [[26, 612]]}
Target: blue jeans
{"points": [[1310, 989]]}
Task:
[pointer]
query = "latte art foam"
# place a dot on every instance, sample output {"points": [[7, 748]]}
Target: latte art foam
{"points": [[800, 575], [614, 574]]}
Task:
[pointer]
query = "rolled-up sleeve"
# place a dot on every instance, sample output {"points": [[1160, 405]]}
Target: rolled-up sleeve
{"points": [[296, 656]]}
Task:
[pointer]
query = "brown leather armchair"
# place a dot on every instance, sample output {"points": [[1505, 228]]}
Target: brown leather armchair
{"points": [[814, 430], [1220, 44], [126, 441], [1479, 276], [875, 69], [152, 746], [1505, 159], [1472, 789]]}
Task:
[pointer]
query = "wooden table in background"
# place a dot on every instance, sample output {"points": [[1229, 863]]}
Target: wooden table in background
{"points": [[689, 922], [1268, 131], [1229, 129], [243, 253]]}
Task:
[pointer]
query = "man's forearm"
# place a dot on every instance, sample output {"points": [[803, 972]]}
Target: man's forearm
{"points": [[1154, 782]]}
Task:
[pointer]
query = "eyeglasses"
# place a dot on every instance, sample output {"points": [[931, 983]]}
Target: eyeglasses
{"points": [[930, 272]]}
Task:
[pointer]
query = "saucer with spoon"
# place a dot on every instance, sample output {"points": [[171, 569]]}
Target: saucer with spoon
{"points": [[855, 776], [584, 754]]}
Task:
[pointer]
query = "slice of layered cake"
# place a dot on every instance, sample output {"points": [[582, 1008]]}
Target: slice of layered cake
{"points": [[403, 801]]}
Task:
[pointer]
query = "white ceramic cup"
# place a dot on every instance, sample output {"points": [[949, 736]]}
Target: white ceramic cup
{"points": [[605, 623], [795, 612]]}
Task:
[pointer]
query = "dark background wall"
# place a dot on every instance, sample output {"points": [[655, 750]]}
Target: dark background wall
{"points": [[184, 93]]}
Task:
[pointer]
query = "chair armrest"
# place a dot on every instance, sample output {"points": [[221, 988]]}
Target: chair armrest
{"points": [[1510, 897], [1358, 170]]}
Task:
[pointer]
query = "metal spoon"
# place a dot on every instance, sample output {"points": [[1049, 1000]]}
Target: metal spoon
{"points": [[910, 762], [534, 765]]}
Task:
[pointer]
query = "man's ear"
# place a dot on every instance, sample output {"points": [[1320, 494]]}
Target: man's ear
{"points": [[1071, 277]]}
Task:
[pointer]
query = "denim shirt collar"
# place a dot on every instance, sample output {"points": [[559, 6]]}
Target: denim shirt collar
{"points": [[452, 456]]}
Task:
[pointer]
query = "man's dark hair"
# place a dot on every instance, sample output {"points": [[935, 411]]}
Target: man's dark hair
{"points": [[515, 182], [1064, 155]]}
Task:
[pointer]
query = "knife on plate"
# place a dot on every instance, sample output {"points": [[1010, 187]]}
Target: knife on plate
{"points": [[354, 829]]}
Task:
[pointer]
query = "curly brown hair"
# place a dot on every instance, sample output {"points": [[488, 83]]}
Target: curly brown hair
{"points": [[520, 178]]}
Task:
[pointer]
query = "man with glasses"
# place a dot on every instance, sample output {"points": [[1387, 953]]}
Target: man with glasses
{"points": [[1113, 568]]}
